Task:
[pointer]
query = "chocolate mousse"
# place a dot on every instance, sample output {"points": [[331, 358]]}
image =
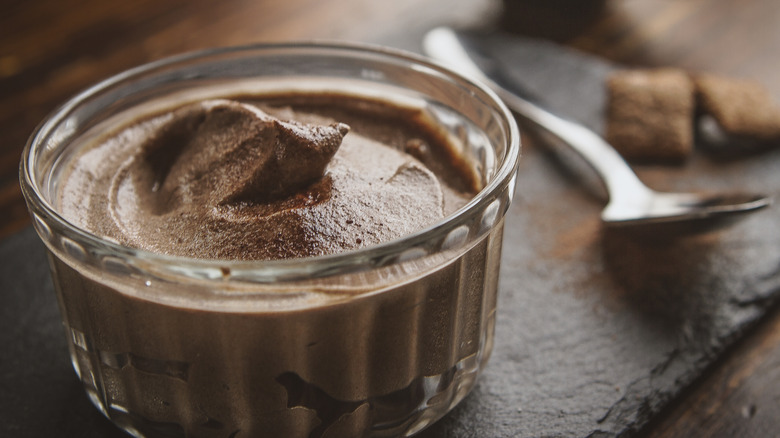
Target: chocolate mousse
{"points": [[247, 179], [381, 351]]}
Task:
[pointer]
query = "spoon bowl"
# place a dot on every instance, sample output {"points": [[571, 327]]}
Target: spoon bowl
{"points": [[658, 207], [631, 202]]}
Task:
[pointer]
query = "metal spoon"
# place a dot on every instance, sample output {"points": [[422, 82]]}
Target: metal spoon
{"points": [[630, 201]]}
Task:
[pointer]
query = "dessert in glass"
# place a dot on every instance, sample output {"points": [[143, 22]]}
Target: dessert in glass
{"points": [[298, 240]]}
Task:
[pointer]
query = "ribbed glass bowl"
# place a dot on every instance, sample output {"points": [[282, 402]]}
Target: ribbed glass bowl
{"points": [[380, 341]]}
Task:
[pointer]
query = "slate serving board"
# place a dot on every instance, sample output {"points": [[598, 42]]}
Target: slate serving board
{"points": [[596, 332], [599, 329]]}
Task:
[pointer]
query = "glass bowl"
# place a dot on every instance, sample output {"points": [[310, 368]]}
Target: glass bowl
{"points": [[378, 341]]}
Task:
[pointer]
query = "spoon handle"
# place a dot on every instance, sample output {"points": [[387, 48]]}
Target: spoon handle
{"points": [[621, 182]]}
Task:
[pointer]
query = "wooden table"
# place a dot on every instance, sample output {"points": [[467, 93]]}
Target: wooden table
{"points": [[50, 49]]}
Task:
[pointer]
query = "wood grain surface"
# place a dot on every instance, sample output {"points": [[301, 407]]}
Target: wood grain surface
{"points": [[51, 49]]}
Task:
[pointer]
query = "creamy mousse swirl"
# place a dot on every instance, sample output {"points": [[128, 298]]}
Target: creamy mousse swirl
{"points": [[223, 179]]}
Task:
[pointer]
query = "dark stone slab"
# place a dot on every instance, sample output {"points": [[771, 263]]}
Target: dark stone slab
{"points": [[40, 395], [597, 330]]}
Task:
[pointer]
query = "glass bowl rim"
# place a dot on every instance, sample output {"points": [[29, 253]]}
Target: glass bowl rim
{"points": [[274, 270]]}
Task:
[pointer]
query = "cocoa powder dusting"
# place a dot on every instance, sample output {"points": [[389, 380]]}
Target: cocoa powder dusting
{"points": [[225, 179]]}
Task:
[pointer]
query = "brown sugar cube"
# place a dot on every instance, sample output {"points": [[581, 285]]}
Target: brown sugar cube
{"points": [[744, 110], [650, 114]]}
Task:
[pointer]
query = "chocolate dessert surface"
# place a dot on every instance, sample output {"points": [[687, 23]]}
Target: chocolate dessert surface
{"points": [[249, 179]]}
